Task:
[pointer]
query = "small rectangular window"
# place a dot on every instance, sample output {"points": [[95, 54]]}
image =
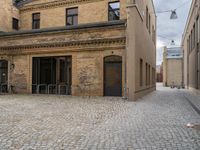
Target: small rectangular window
{"points": [[113, 11], [150, 24], [188, 46], [197, 30], [147, 17], [153, 76], [141, 72], [15, 24], [149, 74], [190, 43], [72, 16], [146, 74], [194, 37], [36, 21], [153, 34]]}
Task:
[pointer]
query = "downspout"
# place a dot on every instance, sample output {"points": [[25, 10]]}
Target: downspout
{"points": [[125, 96]]}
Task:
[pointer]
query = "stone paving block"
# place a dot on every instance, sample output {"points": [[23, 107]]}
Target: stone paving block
{"points": [[156, 122]]}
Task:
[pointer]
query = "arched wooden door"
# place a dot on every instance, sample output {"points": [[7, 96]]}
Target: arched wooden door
{"points": [[113, 76]]}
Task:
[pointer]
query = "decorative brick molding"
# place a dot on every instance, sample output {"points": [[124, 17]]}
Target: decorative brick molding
{"points": [[60, 3], [84, 44]]}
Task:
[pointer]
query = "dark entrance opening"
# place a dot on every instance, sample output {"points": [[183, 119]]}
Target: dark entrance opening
{"points": [[113, 76], [3, 76], [52, 75]]}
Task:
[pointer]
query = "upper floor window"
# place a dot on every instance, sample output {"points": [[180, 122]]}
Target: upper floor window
{"points": [[147, 17], [114, 11], [154, 34], [36, 21], [149, 23], [197, 29], [141, 72], [15, 24], [72, 16]]}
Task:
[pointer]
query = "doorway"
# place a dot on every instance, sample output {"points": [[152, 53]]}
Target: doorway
{"points": [[3, 76], [52, 75], [113, 76]]}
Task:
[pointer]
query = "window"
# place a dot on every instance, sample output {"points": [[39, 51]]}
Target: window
{"points": [[190, 45], [72, 16], [15, 24], [149, 23], [114, 11], [36, 21], [149, 75], [146, 74], [153, 76], [153, 34], [193, 40], [197, 30], [141, 72], [147, 17]]}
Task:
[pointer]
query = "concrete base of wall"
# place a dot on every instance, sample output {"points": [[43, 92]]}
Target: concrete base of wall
{"points": [[143, 93], [196, 91]]}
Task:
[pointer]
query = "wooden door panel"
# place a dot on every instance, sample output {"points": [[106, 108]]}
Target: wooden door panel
{"points": [[113, 79]]}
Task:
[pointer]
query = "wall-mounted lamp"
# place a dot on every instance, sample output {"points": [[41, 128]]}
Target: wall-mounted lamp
{"points": [[173, 15]]}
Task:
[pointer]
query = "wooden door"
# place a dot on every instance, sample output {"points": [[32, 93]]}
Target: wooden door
{"points": [[113, 76]]}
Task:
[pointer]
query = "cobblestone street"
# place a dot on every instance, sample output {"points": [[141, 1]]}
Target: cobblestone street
{"points": [[157, 121]]}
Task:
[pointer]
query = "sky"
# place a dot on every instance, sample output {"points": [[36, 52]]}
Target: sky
{"points": [[167, 29]]}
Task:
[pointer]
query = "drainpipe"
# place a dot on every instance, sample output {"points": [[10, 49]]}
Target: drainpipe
{"points": [[125, 96]]}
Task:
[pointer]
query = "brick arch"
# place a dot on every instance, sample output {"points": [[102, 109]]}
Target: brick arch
{"points": [[113, 58]]}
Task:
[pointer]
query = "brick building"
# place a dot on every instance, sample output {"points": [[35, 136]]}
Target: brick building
{"points": [[78, 47], [159, 73], [190, 43], [173, 66]]}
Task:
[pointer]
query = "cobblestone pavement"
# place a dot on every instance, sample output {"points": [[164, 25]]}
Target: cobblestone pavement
{"points": [[157, 121]]}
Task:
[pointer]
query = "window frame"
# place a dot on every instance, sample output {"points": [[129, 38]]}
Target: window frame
{"points": [[36, 20], [71, 16], [146, 74], [141, 72], [197, 29], [147, 17], [15, 23], [149, 23], [193, 36], [113, 10]]}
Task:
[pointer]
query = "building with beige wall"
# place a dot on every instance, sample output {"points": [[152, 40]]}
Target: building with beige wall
{"points": [[159, 73], [190, 42], [173, 67], [79, 47]]}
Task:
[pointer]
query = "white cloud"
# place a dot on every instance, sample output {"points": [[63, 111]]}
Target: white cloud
{"points": [[170, 29], [160, 44]]}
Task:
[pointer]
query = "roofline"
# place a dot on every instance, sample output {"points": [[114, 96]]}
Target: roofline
{"points": [[174, 57], [19, 4], [65, 28], [187, 22], [153, 7], [174, 47]]}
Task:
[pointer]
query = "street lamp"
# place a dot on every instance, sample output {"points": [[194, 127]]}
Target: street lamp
{"points": [[173, 42], [173, 14]]}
